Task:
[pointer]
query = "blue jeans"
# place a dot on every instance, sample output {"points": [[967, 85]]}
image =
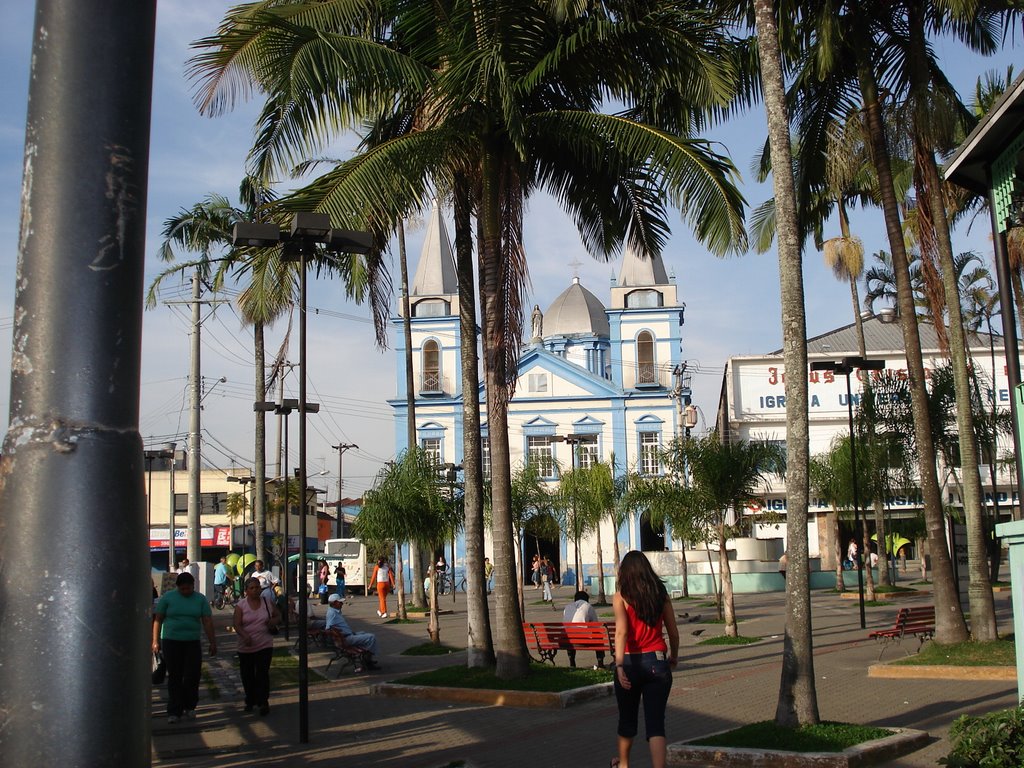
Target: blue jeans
{"points": [[651, 678]]}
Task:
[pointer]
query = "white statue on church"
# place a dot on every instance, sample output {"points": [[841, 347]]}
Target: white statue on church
{"points": [[537, 323]]}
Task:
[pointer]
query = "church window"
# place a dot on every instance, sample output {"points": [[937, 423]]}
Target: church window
{"points": [[431, 367], [645, 368], [650, 444], [644, 298], [432, 446], [537, 382], [539, 453], [431, 308]]}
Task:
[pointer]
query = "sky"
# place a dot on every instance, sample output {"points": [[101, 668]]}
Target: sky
{"points": [[732, 304]]}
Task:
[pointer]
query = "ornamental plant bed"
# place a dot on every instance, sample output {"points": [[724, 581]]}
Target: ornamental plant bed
{"points": [[767, 745]]}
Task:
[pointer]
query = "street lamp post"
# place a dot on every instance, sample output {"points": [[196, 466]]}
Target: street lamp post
{"points": [[451, 475], [244, 480], [846, 366], [573, 441], [308, 232], [284, 408], [167, 452]]}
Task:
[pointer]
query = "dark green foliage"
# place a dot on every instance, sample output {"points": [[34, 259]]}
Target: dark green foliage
{"points": [[726, 640], [995, 740]]}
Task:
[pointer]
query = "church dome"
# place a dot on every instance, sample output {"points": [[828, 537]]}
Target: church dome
{"points": [[576, 312]]}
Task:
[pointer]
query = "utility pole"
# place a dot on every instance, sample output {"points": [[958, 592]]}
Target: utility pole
{"points": [[194, 551], [338, 524], [194, 544]]}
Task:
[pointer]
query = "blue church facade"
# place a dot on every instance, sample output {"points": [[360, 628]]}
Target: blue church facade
{"points": [[612, 375]]}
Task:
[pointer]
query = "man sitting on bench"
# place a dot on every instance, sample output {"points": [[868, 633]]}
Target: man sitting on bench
{"points": [[367, 641], [580, 610]]}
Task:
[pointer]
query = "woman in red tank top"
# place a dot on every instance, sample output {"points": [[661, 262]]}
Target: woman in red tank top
{"points": [[643, 660]]}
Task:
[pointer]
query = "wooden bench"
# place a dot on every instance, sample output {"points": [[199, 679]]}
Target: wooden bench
{"points": [[334, 640], [919, 622], [547, 638]]}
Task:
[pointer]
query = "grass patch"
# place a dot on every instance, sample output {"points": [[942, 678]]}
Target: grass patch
{"points": [[922, 583], [726, 640], [542, 678], [284, 670], [708, 605], [889, 588], [403, 621], [606, 615], [876, 603], [429, 649], [999, 653], [824, 737]]}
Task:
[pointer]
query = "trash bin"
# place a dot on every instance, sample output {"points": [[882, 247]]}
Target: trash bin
{"points": [[323, 594]]}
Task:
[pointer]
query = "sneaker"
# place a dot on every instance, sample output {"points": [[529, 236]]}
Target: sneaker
{"points": [[189, 714], [379, 614], [383, 615], [264, 710], [172, 719]]}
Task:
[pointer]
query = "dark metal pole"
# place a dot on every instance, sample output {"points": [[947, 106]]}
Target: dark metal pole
{"points": [[74, 397], [303, 644], [856, 503], [302, 616]]}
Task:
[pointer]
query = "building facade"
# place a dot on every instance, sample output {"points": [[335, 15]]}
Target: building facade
{"points": [[610, 375], [752, 406]]}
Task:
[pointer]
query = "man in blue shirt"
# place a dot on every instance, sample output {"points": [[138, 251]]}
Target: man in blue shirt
{"points": [[364, 640], [220, 581]]}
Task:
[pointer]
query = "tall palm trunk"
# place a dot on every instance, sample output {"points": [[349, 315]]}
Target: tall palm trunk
{"points": [[259, 491], [601, 597], [798, 700], [982, 607], [840, 582], [728, 605], [979, 591], [949, 619], [862, 350], [512, 658], [418, 598], [479, 644]]}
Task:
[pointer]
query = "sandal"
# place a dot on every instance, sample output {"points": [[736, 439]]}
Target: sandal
{"points": [[614, 763]]}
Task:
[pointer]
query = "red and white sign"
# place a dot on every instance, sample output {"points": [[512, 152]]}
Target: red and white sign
{"points": [[209, 536]]}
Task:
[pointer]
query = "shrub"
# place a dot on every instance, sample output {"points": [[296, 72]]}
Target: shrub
{"points": [[995, 740]]}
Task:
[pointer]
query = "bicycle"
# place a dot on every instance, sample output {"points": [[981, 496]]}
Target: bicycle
{"points": [[226, 600], [444, 584]]}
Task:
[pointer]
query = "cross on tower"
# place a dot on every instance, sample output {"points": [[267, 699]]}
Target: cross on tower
{"points": [[575, 264]]}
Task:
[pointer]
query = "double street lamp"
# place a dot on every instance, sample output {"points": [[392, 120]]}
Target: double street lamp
{"points": [[310, 233], [167, 452], [244, 480], [845, 367]]}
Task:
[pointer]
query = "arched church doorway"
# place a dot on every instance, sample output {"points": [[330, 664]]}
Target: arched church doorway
{"points": [[651, 539], [541, 536]]}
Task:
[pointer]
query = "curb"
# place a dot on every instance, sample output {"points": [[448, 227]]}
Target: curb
{"points": [[940, 672], [524, 699], [902, 742]]}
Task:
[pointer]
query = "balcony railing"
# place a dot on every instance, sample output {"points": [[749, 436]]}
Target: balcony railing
{"points": [[433, 383], [649, 375]]}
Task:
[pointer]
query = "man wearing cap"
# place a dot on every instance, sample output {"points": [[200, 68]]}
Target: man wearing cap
{"points": [[364, 640]]}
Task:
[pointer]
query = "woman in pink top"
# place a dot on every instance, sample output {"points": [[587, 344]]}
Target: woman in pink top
{"points": [[254, 616], [643, 662]]}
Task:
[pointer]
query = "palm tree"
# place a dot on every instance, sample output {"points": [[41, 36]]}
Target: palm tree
{"points": [[407, 503], [724, 476], [204, 228], [447, 96], [534, 511], [846, 63]]}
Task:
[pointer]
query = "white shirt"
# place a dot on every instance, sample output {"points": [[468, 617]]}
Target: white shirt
{"points": [[383, 573], [578, 611], [267, 578]]}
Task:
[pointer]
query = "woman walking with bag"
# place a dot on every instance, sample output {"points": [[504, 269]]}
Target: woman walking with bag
{"points": [[256, 620], [643, 663]]}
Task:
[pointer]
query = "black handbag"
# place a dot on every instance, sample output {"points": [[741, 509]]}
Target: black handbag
{"points": [[159, 668], [271, 628]]}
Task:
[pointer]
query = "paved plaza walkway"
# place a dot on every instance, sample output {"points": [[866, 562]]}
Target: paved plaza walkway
{"points": [[715, 688]]}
